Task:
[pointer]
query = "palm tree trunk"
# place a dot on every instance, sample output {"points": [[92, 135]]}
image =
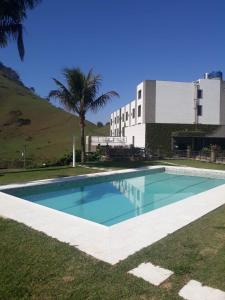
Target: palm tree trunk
{"points": [[82, 141]]}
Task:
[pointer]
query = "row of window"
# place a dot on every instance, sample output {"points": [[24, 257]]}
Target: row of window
{"points": [[117, 119], [117, 132]]}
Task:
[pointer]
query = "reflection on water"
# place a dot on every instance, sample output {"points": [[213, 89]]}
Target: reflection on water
{"points": [[110, 202]]}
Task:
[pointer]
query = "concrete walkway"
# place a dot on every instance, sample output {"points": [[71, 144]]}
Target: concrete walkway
{"points": [[194, 290], [153, 274]]}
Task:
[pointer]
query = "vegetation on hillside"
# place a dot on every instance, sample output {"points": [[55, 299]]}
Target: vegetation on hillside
{"points": [[27, 120]]}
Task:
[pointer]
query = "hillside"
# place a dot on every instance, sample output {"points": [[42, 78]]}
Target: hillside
{"points": [[26, 119]]}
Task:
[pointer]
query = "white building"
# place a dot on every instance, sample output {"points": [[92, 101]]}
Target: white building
{"points": [[199, 102]]}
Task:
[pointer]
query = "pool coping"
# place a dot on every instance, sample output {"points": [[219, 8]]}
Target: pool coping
{"points": [[114, 243]]}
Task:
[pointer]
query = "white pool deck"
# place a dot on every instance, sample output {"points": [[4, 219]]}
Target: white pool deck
{"points": [[117, 242]]}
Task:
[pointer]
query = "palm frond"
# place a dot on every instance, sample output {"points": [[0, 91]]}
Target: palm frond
{"points": [[12, 15], [102, 100], [64, 96], [20, 44]]}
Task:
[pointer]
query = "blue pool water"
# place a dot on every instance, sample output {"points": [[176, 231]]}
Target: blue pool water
{"points": [[111, 200]]}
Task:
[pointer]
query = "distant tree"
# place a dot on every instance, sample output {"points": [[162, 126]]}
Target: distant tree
{"points": [[107, 123], [10, 73], [12, 15], [100, 124], [81, 95], [32, 89]]}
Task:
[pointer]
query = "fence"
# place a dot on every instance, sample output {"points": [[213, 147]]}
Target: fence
{"points": [[202, 155], [16, 164]]}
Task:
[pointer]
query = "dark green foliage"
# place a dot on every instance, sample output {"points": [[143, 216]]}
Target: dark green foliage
{"points": [[80, 95], [99, 124], [158, 136], [10, 73], [12, 15], [21, 122], [68, 158]]}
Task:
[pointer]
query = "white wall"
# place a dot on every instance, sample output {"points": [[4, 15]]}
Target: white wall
{"points": [[138, 131], [170, 102], [174, 102], [210, 101], [222, 103], [149, 91]]}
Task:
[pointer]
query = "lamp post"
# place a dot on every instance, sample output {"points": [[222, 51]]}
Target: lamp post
{"points": [[74, 152]]}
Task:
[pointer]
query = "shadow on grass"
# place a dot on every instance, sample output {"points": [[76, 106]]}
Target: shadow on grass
{"points": [[219, 227], [33, 170], [122, 164]]}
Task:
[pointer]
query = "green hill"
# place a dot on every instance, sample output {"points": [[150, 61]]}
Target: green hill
{"points": [[26, 119]]}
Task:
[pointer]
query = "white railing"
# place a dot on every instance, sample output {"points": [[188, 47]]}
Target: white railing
{"points": [[119, 140]]}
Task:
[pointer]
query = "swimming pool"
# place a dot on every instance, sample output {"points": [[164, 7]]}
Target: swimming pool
{"points": [[114, 199]]}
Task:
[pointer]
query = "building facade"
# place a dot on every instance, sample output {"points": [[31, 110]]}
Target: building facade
{"points": [[197, 103]]}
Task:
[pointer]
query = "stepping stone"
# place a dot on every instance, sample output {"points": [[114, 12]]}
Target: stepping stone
{"points": [[194, 290], [153, 274]]}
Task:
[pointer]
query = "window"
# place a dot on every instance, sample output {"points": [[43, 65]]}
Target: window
{"points": [[199, 94], [118, 119], [111, 121], [139, 110], [139, 94], [123, 131], [199, 110], [123, 117], [126, 115], [110, 132], [133, 113], [115, 120]]}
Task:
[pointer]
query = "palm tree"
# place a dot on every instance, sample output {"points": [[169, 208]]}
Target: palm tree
{"points": [[81, 95], [12, 15]]}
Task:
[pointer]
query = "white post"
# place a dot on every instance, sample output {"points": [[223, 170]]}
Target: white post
{"points": [[74, 152]]}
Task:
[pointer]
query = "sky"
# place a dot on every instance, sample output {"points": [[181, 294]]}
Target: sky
{"points": [[126, 41]]}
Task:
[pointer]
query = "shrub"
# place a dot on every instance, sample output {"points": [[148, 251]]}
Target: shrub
{"points": [[67, 159]]}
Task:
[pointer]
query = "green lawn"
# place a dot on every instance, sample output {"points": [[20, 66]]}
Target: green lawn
{"points": [[136, 164], [34, 266], [16, 176], [195, 164]]}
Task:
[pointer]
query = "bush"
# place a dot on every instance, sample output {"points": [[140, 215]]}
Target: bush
{"points": [[93, 156], [67, 159]]}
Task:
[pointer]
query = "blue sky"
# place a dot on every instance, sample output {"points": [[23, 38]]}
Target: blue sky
{"points": [[126, 41]]}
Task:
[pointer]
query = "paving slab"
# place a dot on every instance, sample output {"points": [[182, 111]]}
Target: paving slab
{"points": [[151, 273], [194, 290]]}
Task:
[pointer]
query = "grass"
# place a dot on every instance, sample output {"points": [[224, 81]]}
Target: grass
{"points": [[47, 137], [35, 266], [179, 162], [196, 164], [19, 176]]}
